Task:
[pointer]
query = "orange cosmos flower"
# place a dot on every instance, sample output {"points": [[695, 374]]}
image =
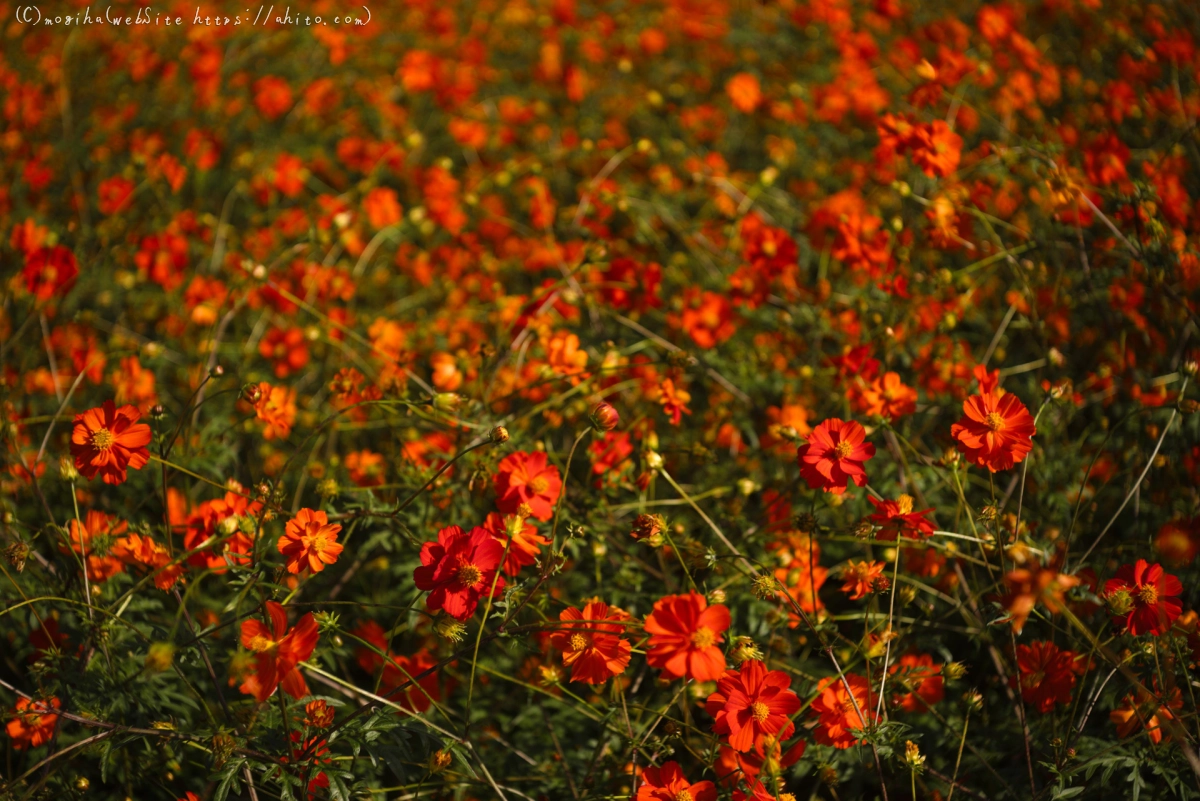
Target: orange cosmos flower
{"points": [[668, 784], [277, 651], [97, 526], [276, 407], [1028, 585], [135, 549], [996, 431], [1047, 674], [107, 440], [526, 543], [744, 92], [897, 518], [921, 679], [1146, 711], [135, 384], [310, 540], [592, 647], [834, 455], [50, 271], [863, 578], [32, 723], [887, 396], [840, 711], [527, 478], [751, 704], [684, 634], [674, 400]]}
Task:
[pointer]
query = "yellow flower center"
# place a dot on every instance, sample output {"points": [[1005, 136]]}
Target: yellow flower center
{"points": [[103, 439], [469, 575], [843, 449], [704, 638], [260, 643], [1148, 594], [683, 795], [578, 642], [905, 502], [994, 421], [759, 711], [539, 485]]}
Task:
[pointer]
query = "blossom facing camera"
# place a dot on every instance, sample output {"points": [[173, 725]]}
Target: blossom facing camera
{"points": [[1144, 599], [685, 633], [751, 704], [834, 456], [107, 441], [310, 541], [459, 569], [996, 431], [277, 651]]}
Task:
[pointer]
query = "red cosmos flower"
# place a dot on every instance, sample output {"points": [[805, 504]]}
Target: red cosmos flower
{"points": [[1033, 583], [1047, 674], [526, 478], [837, 712], [834, 455], [668, 784], [897, 518], [107, 440], [97, 525], [1143, 598], [203, 523], [32, 723], [277, 652], [1178, 541], [310, 541], [592, 647], [753, 703], [996, 430], [526, 543], [135, 549], [458, 569], [922, 679], [287, 349], [707, 318], [684, 633], [49, 272]]}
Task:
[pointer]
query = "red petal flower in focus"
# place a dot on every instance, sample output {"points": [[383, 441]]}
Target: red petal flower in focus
{"points": [[668, 784], [837, 712], [277, 652], [458, 569], [107, 440], [1143, 598], [753, 703], [922, 679], [526, 543], [684, 634], [310, 540], [834, 455], [526, 478], [592, 647], [996, 431]]}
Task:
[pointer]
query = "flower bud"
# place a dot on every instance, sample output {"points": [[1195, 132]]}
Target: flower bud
{"points": [[66, 466], [1119, 602], [328, 488], [605, 417], [252, 394], [16, 554], [447, 401], [953, 671], [440, 760], [744, 649], [1188, 406], [654, 460], [973, 700], [499, 435], [765, 586], [216, 372], [318, 714], [912, 755]]}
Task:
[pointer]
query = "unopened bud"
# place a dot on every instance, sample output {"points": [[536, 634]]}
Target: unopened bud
{"points": [[973, 700], [1188, 406], [447, 401], [440, 760], [912, 755], [765, 586], [605, 417], [953, 671], [716, 596], [499, 435], [1120, 602], [16, 554], [328, 488], [744, 649], [66, 466], [216, 372], [252, 394]]}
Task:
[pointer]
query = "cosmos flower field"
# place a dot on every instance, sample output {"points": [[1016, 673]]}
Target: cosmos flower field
{"points": [[628, 400]]}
